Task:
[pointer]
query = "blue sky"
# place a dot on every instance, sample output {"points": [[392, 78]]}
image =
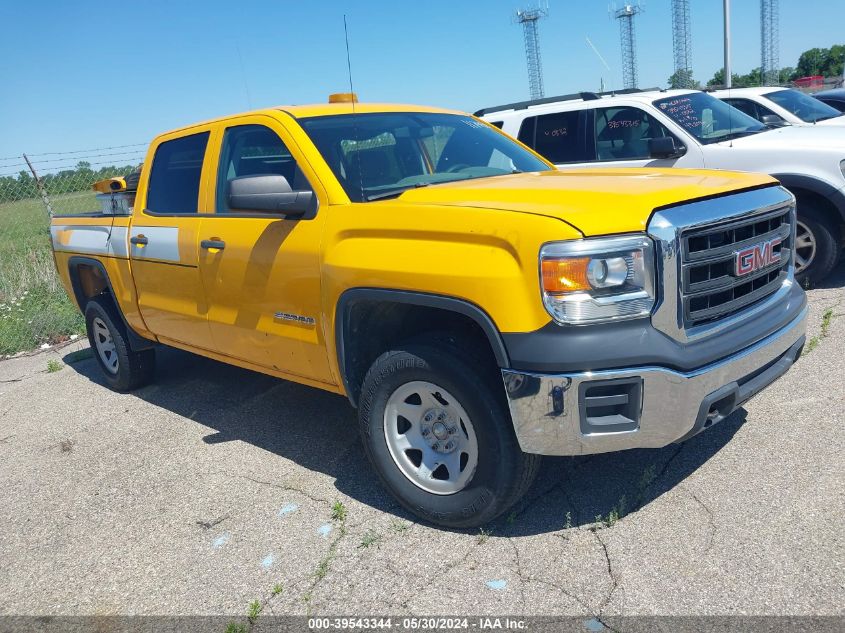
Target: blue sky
{"points": [[71, 79]]}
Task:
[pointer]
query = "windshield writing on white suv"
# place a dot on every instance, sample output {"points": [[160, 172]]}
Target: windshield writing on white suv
{"points": [[380, 155], [707, 118], [807, 108]]}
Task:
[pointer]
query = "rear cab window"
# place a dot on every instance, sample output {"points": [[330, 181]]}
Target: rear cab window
{"points": [[174, 182]]}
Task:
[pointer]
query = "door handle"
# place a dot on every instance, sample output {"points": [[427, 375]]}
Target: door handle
{"points": [[139, 240], [216, 244]]}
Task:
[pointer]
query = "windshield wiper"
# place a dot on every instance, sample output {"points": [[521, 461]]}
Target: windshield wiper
{"points": [[832, 116], [395, 193], [733, 135]]}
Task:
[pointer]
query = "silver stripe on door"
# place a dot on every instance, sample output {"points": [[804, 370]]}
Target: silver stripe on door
{"points": [[162, 243], [93, 239]]}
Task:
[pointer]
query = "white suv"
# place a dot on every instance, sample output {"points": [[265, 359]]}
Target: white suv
{"points": [[683, 128], [781, 105]]}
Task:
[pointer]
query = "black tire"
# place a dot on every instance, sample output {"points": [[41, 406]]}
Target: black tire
{"points": [[503, 473], [826, 235], [133, 369]]}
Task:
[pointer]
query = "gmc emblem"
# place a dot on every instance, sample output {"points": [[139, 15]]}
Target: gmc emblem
{"points": [[756, 257]]}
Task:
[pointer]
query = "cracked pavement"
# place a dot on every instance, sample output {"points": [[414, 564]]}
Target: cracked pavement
{"points": [[204, 491]]}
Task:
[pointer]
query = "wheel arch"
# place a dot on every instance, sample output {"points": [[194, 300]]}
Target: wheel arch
{"points": [[832, 198], [391, 306], [87, 285]]}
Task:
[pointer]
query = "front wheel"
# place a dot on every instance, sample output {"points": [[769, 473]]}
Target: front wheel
{"points": [[816, 244], [440, 437]]}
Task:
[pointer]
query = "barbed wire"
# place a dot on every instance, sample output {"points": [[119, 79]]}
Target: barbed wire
{"points": [[77, 151]]}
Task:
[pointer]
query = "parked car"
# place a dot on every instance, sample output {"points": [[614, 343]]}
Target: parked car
{"points": [[477, 306], [683, 128], [835, 98], [774, 106]]}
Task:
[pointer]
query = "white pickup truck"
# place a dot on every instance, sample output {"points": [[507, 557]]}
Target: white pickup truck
{"points": [[683, 128]]}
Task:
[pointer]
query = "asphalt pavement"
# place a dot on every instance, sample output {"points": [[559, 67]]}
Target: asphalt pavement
{"points": [[216, 486]]}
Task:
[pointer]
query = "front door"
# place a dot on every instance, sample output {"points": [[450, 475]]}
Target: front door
{"points": [[163, 244], [620, 137], [261, 271]]}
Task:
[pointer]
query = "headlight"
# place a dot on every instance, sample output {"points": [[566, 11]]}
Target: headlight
{"points": [[600, 279]]}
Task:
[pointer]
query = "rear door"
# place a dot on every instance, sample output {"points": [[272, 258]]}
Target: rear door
{"points": [[163, 242], [261, 271]]}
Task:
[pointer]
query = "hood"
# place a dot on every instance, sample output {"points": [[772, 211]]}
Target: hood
{"points": [[834, 122], [594, 201], [813, 137]]}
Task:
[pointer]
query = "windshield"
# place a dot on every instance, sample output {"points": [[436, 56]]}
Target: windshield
{"points": [[380, 155], [707, 118], [805, 107]]}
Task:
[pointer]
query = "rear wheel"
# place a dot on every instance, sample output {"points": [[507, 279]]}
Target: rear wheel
{"points": [[123, 369], [440, 437]]}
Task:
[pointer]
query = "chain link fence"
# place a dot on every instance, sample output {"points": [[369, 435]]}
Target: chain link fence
{"points": [[34, 310]]}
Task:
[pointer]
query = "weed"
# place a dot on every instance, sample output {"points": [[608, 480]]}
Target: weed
{"points": [[511, 518], [646, 479], [568, 524], [234, 627], [827, 317], [53, 366], [812, 344], [399, 526], [370, 538], [253, 611], [338, 511], [483, 536], [277, 589], [325, 563]]}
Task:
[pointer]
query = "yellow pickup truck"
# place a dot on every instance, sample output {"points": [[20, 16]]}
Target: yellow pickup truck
{"points": [[478, 307]]}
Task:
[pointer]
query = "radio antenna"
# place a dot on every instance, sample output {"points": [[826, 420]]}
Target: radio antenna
{"points": [[353, 99]]}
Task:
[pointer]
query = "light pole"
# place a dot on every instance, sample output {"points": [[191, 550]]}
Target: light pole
{"points": [[727, 43]]}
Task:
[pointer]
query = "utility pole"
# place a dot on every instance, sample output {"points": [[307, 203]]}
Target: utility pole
{"points": [[727, 4]]}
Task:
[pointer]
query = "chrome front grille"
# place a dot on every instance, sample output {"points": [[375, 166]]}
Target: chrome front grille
{"points": [[711, 287]]}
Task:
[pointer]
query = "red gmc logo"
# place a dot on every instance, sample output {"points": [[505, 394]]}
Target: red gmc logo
{"points": [[756, 257]]}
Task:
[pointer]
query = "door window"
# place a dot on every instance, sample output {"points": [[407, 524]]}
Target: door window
{"points": [[623, 133], [555, 136], [250, 150], [175, 175]]}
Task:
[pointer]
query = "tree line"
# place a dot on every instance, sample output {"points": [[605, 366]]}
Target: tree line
{"points": [[827, 62]]}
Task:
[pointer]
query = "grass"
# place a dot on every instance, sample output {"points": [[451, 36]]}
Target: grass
{"points": [[277, 589], [53, 366], [33, 306]]}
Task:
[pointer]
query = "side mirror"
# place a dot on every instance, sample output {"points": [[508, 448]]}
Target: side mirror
{"points": [[271, 193], [773, 120], [664, 147]]}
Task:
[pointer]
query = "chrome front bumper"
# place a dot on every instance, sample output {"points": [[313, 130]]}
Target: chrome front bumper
{"points": [[548, 411]]}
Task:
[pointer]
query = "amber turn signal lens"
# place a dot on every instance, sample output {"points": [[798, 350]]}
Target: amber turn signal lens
{"points": [[565, 275]]}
